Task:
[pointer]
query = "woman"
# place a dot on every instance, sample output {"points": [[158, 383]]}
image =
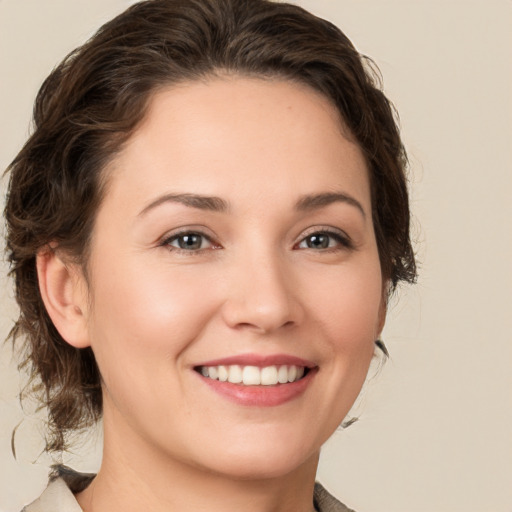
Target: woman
{"points": [[204, 230]]}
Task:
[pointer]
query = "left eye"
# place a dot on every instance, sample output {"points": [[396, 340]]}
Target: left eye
{"points": [[322, 240], [189, 241]]}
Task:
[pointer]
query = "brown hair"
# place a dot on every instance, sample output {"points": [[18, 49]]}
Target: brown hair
{"points": [[91, 103]]}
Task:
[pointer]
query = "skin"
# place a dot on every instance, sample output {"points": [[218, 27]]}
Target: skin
{"points": [[152, 311]]}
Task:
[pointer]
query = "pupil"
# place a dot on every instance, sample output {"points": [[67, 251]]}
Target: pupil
{"points": [[190, 242], [318, 241]]}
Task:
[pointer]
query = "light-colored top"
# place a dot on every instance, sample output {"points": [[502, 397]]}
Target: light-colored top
{"points": [[58, 497]]}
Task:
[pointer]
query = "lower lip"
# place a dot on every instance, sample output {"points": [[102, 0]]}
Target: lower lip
{"points": [[260, 396]]}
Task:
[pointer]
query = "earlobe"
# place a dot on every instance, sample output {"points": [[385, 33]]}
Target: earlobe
{"points": [[63, 291]]}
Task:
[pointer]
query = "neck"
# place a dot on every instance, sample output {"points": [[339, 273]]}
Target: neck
{"points": [[136, 477]]}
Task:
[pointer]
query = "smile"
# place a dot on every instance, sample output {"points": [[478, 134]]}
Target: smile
{"points": [[254, 375], [258, 380]]}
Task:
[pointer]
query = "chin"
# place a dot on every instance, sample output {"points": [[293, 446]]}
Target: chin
{"points": [[262, 468], [262, 459]]}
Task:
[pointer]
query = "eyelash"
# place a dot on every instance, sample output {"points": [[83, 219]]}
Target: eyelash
{"points": [[342, 241]]}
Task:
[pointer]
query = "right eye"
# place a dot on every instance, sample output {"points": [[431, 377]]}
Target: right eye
{"points": [[188, 241]]}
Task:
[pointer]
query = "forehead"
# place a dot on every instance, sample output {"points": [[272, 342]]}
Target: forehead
{"points": [[230, 96], [264, 136]]}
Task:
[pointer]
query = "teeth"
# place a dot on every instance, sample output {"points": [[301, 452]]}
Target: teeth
{"points": [[213, 372], [253, 375], [223, 374], [235, 374], [282, 375], [269, 376]]}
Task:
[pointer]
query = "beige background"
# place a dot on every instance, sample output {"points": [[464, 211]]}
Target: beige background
{"points": [[436, 425]]}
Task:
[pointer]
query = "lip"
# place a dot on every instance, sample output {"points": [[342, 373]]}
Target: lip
{"points": [[260, 361], [260, 396]]}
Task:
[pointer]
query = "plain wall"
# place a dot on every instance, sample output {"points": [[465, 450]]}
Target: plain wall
{"points": [[435, 429]]}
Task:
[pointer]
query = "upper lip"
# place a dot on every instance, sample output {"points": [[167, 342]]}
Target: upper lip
{"points": [[259, 360]]}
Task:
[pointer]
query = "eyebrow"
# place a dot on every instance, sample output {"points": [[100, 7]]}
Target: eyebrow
{"points": [[316, 201], [211, 203], [216, 204]]}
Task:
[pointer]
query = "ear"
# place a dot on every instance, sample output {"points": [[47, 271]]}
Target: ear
{"points": [[64, 293]]}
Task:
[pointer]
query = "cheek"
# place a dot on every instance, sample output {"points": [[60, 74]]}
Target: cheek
{"points": [[348, 310], [347, 304], [350, 306], [147, 319]]}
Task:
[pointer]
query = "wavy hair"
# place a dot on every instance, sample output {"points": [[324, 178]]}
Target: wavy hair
{"points": [[94, 100]]}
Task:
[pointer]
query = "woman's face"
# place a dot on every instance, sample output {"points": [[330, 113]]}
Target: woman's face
{"points": [[235, 241]]}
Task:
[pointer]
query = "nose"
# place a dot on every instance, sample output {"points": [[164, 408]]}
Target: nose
{"points": [[262, 295]]}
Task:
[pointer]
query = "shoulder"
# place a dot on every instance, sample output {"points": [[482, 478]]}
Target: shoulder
{"points": [[325, 502], [58, 496]]}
